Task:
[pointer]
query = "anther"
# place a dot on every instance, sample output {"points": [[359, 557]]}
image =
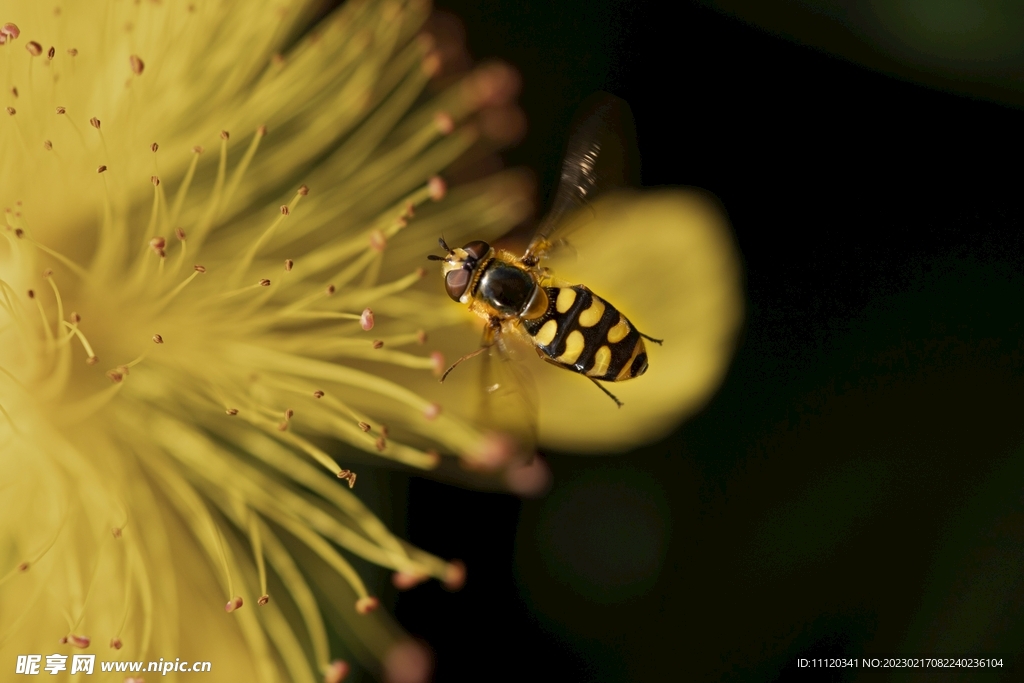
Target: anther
{"points": [[31, 294], [289, 414], [378, 240], [14, 91], [154, 147], [366, 320], [443, 121], [403, 581], [233, 604], [199, 269], [23, 567], [288, 263], [61, 110], [381, 443], [19, 233], [92, 360], [47, 145], [285, 210], [115, 531], [367, 604], [282, 427], [378, 344], [261, 131], [115, 643], [434, 457], [180, 234], [115, 376], [51, 52], [75, 318], [421, 272], [264, 282], [73, 52], [48, 272], [303, 190], [155, 180], [157, 244], [10, 30], [330, 290], [455, 575], [432, 411], [232, 411], [318, 394], [34, 48], [363, 426], [431, 65], [198, 149], [262, 600], [136, 64], [157, 339], [421, 337], [348, 476], [224, 135], [437, 363], [12, 111], [79, 641], [437, 188], [101, 169], [337, 671], [95, 123]]}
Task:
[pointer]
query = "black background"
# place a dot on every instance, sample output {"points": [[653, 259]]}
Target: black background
{"points": [[856, 485]]}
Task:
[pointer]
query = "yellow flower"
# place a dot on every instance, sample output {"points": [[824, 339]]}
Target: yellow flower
{"points": [[211, 268], [182, 321]]}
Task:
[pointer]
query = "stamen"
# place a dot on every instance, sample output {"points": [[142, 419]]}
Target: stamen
{"points": [[91, 359], [256, 541], [74, 267], [48, 274], [246, 261], [179, 198], [42, 316], [243, 165], [177, 290]]}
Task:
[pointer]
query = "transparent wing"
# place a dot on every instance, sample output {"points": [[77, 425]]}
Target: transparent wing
{"points": [[508, 395], [602, 155]]}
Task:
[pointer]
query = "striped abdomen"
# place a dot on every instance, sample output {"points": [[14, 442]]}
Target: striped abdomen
{"points": [[582, 332]]}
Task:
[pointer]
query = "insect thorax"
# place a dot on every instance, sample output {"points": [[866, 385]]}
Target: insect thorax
{"points": [[506, 288]]}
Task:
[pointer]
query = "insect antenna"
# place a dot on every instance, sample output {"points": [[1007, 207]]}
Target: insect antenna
{"points": [[444, 245], [434, 257]]}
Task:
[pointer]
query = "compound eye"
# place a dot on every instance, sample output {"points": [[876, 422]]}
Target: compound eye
{"points": [[477, 249], [456, 282]]}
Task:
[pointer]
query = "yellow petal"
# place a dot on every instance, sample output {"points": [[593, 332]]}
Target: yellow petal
{"points": [[666, 260]]}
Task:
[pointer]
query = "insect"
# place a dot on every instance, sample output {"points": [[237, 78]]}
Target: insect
{"points": [[569, 325]]}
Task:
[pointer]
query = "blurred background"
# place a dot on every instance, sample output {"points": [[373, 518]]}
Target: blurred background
{"points": [[856, 486]]}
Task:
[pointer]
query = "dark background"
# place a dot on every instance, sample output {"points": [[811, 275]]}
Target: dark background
{"points": [[856, 486]]}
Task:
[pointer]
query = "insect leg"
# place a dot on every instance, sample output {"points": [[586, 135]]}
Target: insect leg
{"points": [[610, 394], [656, 341], [488, 341]]}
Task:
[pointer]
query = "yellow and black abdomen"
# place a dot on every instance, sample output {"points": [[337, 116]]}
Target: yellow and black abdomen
{"points": [[584, 333]]}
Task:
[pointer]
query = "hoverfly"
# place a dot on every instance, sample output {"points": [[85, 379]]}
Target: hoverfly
{"points": [[567, 324]]}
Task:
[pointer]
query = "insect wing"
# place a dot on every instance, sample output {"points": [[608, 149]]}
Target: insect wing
{"points": [[601, 156], [508, 395]]}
